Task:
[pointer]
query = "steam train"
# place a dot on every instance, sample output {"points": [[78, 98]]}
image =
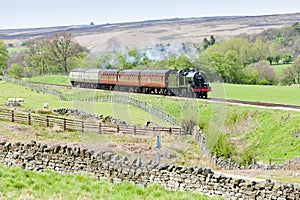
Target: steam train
{"points": [[187, 82]]}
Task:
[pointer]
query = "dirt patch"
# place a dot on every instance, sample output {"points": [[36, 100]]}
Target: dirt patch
{"points": [[17, 128]]}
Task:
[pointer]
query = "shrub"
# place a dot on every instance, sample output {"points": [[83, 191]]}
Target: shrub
{"points": [[222, 147], [48, 112], [246, 158], [188, 126], [15, 71]]}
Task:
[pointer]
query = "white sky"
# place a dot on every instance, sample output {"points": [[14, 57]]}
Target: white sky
{"points": [[45, 13]]}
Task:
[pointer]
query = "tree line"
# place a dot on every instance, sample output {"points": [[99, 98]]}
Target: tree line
{"points": [[246, 59], [56, 54]]}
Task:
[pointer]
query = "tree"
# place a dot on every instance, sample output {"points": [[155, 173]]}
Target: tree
{"points": [[3, 56], [15, 71], [265, 73], [270, 59], [212, 40], [218, 60], [206, 43], [205, 64], [62, 48], [296, 25], [235, 66], [36, 56], [240, 45], [277, 59], [259, 51], [291, 75], [287, 58], [272, 49]]}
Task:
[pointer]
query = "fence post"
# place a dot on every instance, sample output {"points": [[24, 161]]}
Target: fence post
{"points": [[134, 129], [29, 119], [65, 124], [82, 126], [100, 127], [13, 116], [170, 130], [47, 121]]}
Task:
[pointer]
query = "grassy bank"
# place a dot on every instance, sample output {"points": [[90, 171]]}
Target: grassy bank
{"points": [[264, 134], [22, 184], [257, 132], [35, 101], [261, 133]]}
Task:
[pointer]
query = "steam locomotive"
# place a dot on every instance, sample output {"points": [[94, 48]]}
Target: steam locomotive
{"points": [[187, 82]]}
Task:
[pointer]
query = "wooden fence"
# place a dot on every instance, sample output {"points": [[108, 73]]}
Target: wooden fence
{"points": [[80, 125]]}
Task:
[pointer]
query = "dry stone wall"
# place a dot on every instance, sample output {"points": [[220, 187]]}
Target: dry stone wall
{"points": [[116, 169]]}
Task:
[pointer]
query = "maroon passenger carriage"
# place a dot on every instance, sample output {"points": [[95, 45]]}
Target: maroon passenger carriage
{"points": [[185, 83]]}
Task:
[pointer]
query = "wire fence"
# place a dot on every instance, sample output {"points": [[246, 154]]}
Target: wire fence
{"points": [[124, 99]]}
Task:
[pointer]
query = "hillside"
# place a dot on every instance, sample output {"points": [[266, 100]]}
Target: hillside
{"points": [[104, 37]]}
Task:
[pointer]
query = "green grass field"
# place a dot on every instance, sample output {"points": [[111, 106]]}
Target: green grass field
{"points": [[35, 101], [16, 50], [259, 93], [279, 68], [22, 184], [54, 79]]}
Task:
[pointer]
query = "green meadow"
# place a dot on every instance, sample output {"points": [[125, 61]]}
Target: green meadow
{"points": [[17, 183], [258, 93], [35, 101]]}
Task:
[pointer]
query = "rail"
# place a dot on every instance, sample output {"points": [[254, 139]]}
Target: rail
{"points": [[80, 125]]}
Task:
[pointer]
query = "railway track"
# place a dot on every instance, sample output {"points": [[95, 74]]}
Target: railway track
{"points": [[258, 104], [218, 100]]}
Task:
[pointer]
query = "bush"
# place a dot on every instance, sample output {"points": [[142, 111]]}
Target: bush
{"points": [[222, 147], [188, 126], [246, 158], [15, 71], [44, 112]]}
